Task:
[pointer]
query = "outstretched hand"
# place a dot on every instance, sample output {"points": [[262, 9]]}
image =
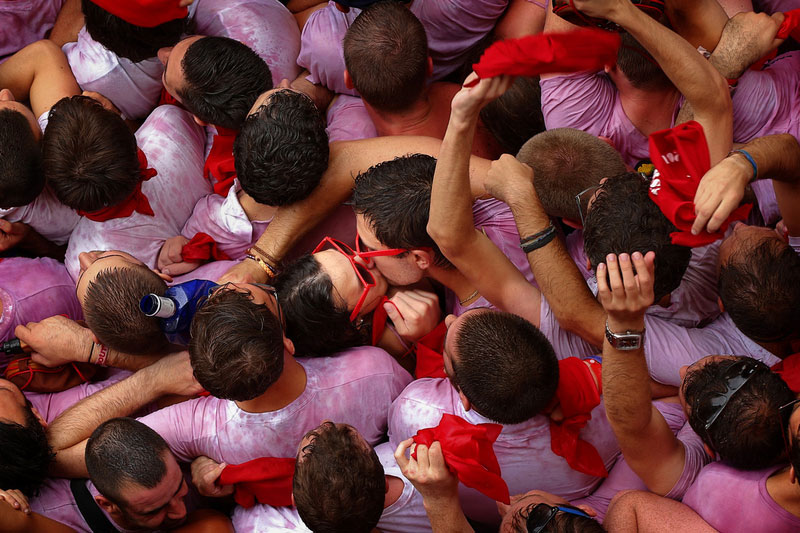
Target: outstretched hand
{"points": [[469, 101], [624, 293], [428, 472], [720, 191]]}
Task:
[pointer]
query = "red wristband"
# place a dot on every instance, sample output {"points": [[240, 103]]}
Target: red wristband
{"points": [[102, 355]]}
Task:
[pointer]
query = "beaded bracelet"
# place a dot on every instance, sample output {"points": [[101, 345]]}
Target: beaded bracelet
{"points": [[269, 269]]}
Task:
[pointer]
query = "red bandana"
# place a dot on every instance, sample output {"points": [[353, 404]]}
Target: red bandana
{"points": [[681, 157], [219, 168], [430, 362], [577, 395], [789, 371], [544, 53], [267, 480], [468, 452], [168, 99], [144, 13], [136, 201], [202, 248], [789, 26]]}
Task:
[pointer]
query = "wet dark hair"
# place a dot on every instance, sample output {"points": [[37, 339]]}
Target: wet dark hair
{"points": [[561, 522], [516, 116], [127, 40], [223, 79], [639, 66], [21, 176], [26, 454]]}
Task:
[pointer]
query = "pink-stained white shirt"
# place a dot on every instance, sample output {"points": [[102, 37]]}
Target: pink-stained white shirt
{"points": [[522, 450], [173, 144], [355, 387], [32, 290], [24, 22], [266, 26], [50, 405], [47, 215], [453, 27], [738, 500], [773, 6], [406, 515], [348, 120]]}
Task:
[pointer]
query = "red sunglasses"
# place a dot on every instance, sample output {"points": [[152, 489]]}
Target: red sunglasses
{"points": [[364, 274]]}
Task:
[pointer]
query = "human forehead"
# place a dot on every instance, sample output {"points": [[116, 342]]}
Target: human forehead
{"points": [[142, 500], [259, 295]]}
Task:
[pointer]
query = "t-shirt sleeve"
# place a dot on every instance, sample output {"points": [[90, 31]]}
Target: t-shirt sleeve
{"points": [[584, 101], [695, 459], [53, 404], [408, 415], [565, 343], [224, 220], [185, 427], [321, 49]]}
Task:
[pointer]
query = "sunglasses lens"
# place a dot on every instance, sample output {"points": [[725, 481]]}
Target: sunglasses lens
{"points": [[365, 273]]}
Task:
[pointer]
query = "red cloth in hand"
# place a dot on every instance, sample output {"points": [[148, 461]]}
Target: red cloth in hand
{"points": [[578, 395], [586, 49], [144, 13], [681, 157], [136, 201], [267, 480], [430, 361], [789, 371], [219, 168], [468, 452], [202, 248], [789, 27]]}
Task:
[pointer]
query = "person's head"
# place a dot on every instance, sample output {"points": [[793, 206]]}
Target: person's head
{"points": [[565, 162], [110, 286], [386, 54], [623, 219], [237, 345], [392, 201], [89, 154], [281, 151], [345, 5], [759, 283], [501, 364], [639, 67], [140, 483], [536, 507], [339, 484], [319, 293], [216, 78], [747, 430], [516, 116], [26, 453], [127, 40], [21, 176]]}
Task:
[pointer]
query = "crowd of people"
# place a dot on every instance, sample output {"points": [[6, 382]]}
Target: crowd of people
{"points": [[417, 265]]}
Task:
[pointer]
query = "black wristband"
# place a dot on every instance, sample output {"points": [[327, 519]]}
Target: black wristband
{"points": [[534, 242]]}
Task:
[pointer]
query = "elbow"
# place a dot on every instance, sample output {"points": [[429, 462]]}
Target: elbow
{"points": [[445, 238]]}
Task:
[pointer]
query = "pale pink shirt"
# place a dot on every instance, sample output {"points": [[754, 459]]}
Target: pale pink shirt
{"points": [[773, 6], [24, 22], [355, 387], [738, 500], [50, 405], [173, 144], [348, 120], [32, 290], [47, 215], [522, 450], [406, 515], [266, 26], [453, 27]]}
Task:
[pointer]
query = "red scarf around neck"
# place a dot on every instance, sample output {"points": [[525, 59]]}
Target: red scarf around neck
{"points": [[136, 200], [267, 480], [219, 168]]}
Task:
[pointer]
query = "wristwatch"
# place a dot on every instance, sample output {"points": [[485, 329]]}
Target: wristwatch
{"points": [[630, 340]]}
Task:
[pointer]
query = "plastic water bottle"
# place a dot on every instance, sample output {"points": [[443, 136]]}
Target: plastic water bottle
{"points": [[176, 308]]}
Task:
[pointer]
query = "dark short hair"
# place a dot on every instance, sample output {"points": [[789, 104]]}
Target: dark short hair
{"points": [[639, 66], [26, 454], [395, 198], [122, 451], [316, 320], [623, 219], [282, 149], [127, 40], [111, 309], [223, 79], [505, 367], [748, 433], [339, 485], [21, 176], [760, 289], [236, 346], [566, 162], [90, 155], [386, 54], [561, 522], [516, 116]]}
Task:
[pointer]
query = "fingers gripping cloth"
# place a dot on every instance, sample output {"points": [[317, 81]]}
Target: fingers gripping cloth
{"points": [[202, 247], [144, 13], [219, 168], [681, 158], [789, 27], [136, 201], [533, 55], [468, 452], [267, 480], [577, 395]]}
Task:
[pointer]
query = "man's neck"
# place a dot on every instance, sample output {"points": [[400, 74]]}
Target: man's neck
{"points": [[649, 110], [784, 492], [412, 120], [287, 389], [454, 280], [394, 489]]}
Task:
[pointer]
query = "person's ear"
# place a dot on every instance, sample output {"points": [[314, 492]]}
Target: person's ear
{"points": [[711, 453], [348, 80], [721, 305], [165, 277], [429, 69], [572, 223], [293, 504], [288, 345], [199, 122], [107, 505], [792, 475], [464, 401], [588, 509], [340, 7], [588, 265], [502, 508], [423, 258], [386, 480]]}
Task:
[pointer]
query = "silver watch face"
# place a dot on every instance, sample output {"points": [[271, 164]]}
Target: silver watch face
{"points": [[625, 341]]}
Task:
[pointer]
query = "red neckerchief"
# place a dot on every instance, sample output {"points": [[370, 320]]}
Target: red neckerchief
{"points": [[789, 26], [267, 480], [144, 13], [430, 362], [219, 168], [789, 371], [168, 99], [586, 49], [468, 453], [136, 201], [577, 395], [202, 248]]}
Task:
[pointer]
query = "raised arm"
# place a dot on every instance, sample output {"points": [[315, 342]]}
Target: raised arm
{"points": [[645, 439]]}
